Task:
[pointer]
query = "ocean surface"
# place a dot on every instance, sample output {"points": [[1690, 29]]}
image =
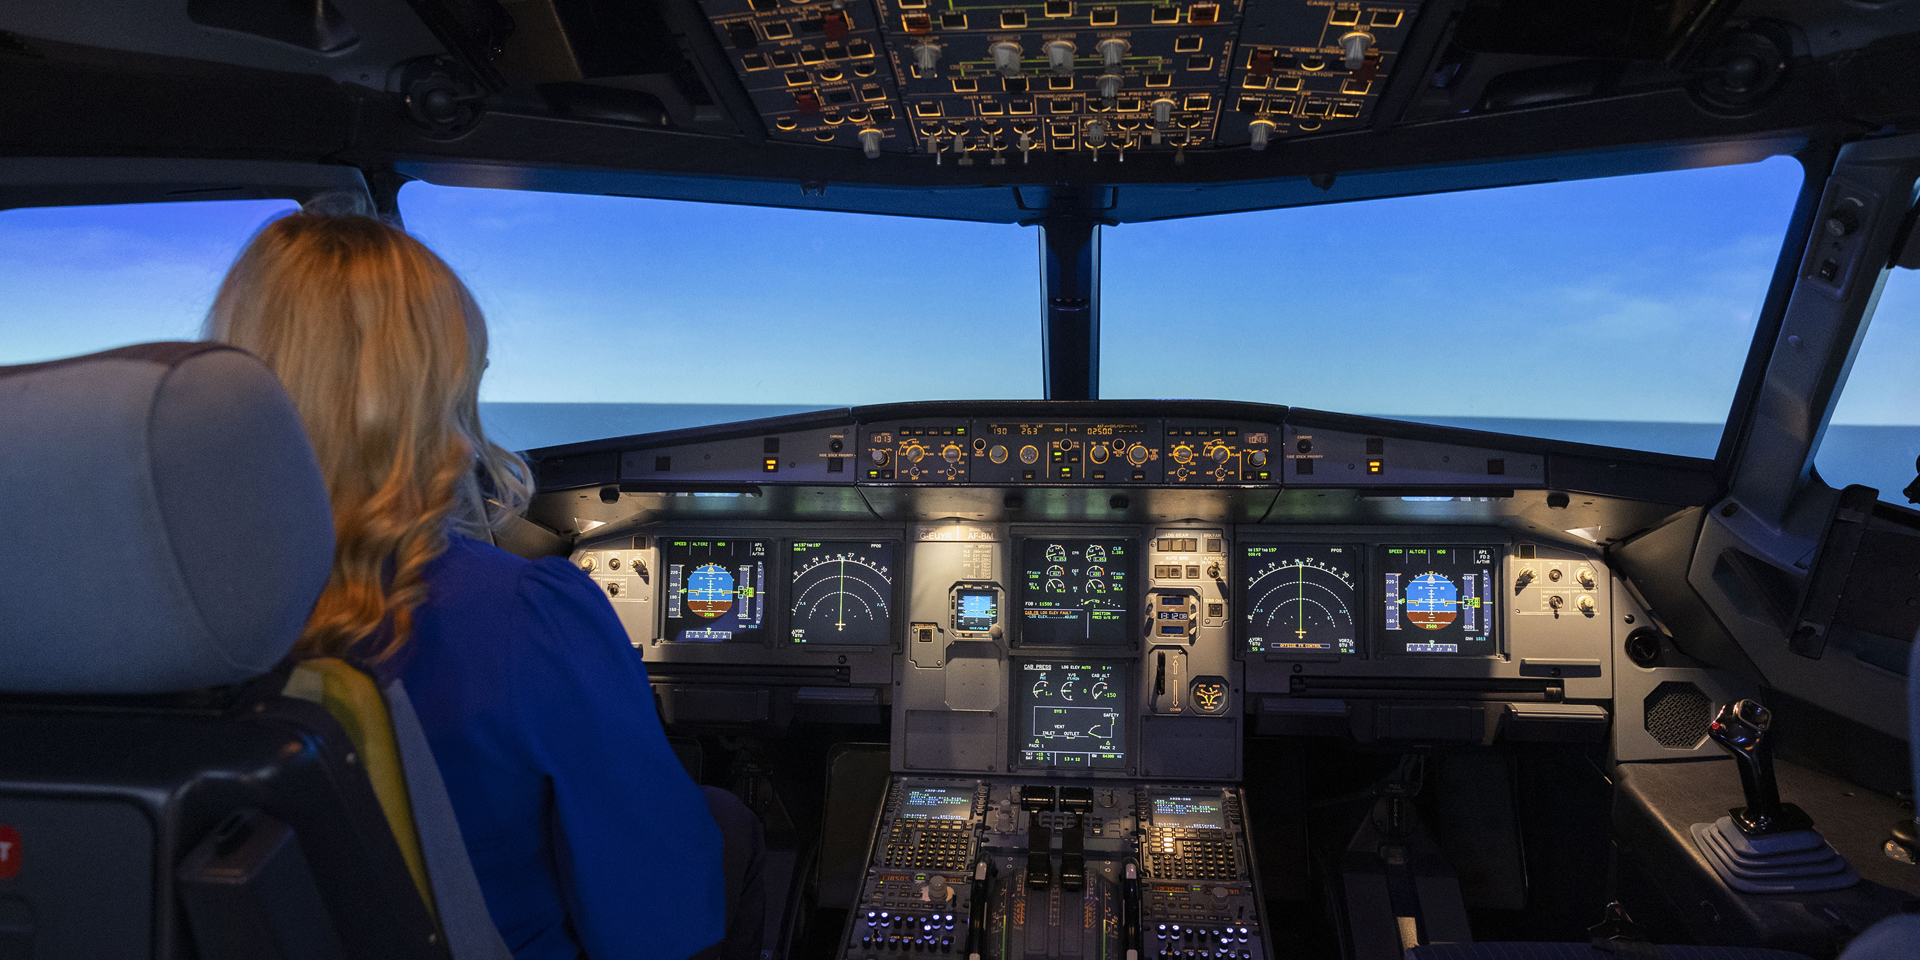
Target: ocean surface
{"points": [[1877, 456]]}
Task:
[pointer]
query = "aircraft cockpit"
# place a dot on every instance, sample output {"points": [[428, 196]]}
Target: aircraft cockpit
{"points": [[1097, 480]]}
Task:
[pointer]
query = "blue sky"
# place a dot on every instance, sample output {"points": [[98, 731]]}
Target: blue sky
{"points": [[1630, 298]]}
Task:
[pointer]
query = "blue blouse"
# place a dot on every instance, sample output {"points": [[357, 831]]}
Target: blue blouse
{"points": [[585, 831]]}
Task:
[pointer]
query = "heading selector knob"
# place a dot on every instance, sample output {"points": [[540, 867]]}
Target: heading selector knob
{"points": [[1060, 57], [1006, 58]]}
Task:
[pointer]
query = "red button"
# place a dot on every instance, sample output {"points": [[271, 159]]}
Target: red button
{"points": [[9, 851]]}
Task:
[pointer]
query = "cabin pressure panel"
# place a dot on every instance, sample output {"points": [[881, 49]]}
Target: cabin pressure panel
{"points": [[994, 83]]}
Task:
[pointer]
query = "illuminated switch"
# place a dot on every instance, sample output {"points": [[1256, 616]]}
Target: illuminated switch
{"points": [[742, 35], [778, 31], [770, 465], [837, 26], [1013, 20], [1203, 14], [782, 58], [1387, 19], [806, 101], [754, 61], [1165, 14], [1376, 467], [1344, 17], [1187, 44], [1103, 17], [797, 78], [916, 23], [953, 21]]}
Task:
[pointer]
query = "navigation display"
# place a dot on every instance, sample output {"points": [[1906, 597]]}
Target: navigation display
{"points": [[842, 592], [1438, 600], [1301, 597], [938, 803], [1071, 715], [1195, 811], [716, 590], [1076, 591]]}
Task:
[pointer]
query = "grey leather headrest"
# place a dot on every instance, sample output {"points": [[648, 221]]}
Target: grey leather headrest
{"points": [[163, 523]]}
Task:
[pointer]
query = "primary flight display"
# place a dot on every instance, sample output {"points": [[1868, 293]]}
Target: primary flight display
{"points": [[1071, 715], [1075, 591], [716, 590], [841, 592], [1301, 597], [1437, 600]]}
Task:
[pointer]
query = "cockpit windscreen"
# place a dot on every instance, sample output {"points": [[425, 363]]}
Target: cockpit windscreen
{"points": [[716, 590], [1075, 591], [1071, 715], [1438, 600], [841, 592]]}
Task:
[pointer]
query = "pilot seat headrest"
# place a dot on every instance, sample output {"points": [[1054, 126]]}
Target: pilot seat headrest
{"points": [[163, 523]]}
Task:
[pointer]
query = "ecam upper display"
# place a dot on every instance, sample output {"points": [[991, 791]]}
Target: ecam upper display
{"points": [[1076, 591]]}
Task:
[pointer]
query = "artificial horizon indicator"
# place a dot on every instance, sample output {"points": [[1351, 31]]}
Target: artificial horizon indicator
{"points": [[1437, 600], [716, 590]]}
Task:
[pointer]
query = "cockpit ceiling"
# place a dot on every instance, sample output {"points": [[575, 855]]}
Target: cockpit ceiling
{"points": [[1027, 105]]}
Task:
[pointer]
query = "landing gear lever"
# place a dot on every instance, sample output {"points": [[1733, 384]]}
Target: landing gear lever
{"points": [[1741, 729]]}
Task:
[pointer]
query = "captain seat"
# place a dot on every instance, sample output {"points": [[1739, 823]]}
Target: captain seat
{"points": [[171, 785]]}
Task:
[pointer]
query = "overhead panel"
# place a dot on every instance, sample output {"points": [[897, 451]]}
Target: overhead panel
{"points": [[994, 83]]}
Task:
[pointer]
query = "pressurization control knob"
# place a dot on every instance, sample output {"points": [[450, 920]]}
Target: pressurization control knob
{"points": [[1060, 57], [1162, 112], [1006, 58], [926, 57], [1354, 46], [1258, 131]]}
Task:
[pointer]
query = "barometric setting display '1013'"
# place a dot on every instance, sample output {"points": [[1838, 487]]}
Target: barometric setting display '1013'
{"points": [[1301, 597], [1438, 600]]}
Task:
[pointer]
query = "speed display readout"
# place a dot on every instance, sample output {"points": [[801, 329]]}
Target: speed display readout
{"points": [[1302, 597], [842, 592]]}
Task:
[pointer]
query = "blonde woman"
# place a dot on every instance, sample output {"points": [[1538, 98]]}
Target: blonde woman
{"points": [[586, 834]]}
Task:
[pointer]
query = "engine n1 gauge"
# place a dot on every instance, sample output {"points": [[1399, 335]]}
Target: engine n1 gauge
{"points": [[1302, 598]]}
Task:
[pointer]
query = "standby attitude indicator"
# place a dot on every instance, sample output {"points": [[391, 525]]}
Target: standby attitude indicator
{"points": [[1071, 715], [1301, 597], [842, 592]]}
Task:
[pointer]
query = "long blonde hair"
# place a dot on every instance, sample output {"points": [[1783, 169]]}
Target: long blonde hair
{"points": [[381, 347]]}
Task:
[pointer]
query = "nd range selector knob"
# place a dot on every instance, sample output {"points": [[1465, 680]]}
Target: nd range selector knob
{"points": [[951, 453], [1221, 454], [1137, 454], [914, 453], [1029, 453], [1182, 453], [998, 453]]}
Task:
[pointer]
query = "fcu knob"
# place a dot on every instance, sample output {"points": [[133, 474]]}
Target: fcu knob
{"points": [[1257, 457], [1029, 453], [879, 456], [951, 453], [1098, 452], [998, 453], [1183, 454], [1221, 454], [914, 453], [1137, 454]]}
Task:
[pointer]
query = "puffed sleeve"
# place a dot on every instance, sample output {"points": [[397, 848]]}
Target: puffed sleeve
{"points": [[636, 844]]}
